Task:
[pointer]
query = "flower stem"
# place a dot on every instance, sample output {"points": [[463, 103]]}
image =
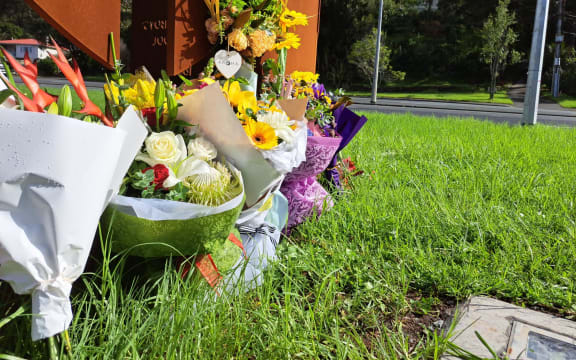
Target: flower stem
{"points": [[67, 344], [52, 349]]}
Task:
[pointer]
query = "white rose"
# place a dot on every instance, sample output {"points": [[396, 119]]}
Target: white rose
{"points": [[164, 148], [280, 122], [202, 149]]}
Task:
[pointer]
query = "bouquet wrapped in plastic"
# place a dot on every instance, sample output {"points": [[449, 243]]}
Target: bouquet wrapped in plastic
{"points": [[181, 196], [265, 213], [58, 174], [305, 195], [348, 124]]}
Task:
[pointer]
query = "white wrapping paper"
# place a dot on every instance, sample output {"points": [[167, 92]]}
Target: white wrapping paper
{"points": [[286, 157], [57, 175]]}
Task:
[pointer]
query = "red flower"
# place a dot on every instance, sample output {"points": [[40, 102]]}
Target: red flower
{"points": [[149, 115], [161, 173]]}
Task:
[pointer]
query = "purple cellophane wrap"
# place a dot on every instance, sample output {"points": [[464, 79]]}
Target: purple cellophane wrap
{"points": [[300, 187], [348, 124]]}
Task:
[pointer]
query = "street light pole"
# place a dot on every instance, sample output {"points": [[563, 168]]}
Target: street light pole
{"points": [[532, 98], [377, 58], [558, 53]]}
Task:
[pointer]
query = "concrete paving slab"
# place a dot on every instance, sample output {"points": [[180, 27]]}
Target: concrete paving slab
{"points": [[508, 329]]}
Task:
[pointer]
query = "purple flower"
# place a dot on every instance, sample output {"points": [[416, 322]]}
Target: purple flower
{"points": [[319, 91]]}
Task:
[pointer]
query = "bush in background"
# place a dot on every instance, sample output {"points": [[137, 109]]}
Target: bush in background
{"points": [[46, 67]]}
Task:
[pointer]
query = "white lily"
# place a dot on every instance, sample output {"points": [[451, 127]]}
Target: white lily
{"points": [[186, 168]]}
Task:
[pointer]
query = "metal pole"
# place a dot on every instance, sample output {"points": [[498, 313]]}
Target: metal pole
{"points": [[377, 58], [559, 39], [532, 98]]}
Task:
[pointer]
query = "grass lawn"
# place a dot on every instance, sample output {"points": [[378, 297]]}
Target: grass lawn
{"points": [[566, 101], [447, 208], [97, 96], [501, 97]]}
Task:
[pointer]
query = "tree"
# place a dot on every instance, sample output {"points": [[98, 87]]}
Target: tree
{"points": [[335, 40], [362, 56], [10, 31], [498, 37]]}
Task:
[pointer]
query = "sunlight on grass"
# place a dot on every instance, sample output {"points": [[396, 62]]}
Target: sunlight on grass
{"points": [[500, 97], [97, 96], [566, 101]]}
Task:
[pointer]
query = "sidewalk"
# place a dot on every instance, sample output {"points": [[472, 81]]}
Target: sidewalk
{"points": [[518, 91]]}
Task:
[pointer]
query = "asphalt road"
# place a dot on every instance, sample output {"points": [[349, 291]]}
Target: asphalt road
{"points": [[493, 112], [58, 82]]}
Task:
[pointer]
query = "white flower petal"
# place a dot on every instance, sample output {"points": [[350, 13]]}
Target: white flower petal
{"points": [[147, 159], [171, 180], [202, 149], [192, 167]]}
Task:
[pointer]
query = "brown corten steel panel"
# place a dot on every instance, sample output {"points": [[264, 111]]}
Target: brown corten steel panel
{"points": [[85, 23], [187, 38], [149, 40], [304, 58]]}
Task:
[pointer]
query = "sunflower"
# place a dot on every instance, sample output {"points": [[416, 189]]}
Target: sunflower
{"points": [[291, 18], [288, 41], [261, 134]]}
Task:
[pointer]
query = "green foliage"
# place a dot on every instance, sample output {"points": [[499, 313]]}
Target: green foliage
{"points": [[362, 56], [568, 78], [498, 37], [47, 67], [335, 40], [10, 31]]}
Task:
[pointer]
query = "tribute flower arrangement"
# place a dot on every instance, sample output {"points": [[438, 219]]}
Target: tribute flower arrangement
{"points": [[253, 27], [177, 180], [60, 168]]}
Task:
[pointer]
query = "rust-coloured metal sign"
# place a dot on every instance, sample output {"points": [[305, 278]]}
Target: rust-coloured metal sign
{"points": [[304, 58], [149, 43], [187, 37], [85, 23], [166, 34]]}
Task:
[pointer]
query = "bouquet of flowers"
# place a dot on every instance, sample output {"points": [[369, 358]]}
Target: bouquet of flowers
{"points": [[247, 30], [59, 170], [180, 197], [304, 193], [348, 124], [238, 126], [253, 27]]}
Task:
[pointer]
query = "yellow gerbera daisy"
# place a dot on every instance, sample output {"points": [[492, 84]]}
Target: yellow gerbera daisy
{"points": [[291, 18], [261, 134], [288, 41]]}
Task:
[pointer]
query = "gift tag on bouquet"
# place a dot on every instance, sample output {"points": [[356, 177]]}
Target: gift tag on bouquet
{"points": [[228, 62]]}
